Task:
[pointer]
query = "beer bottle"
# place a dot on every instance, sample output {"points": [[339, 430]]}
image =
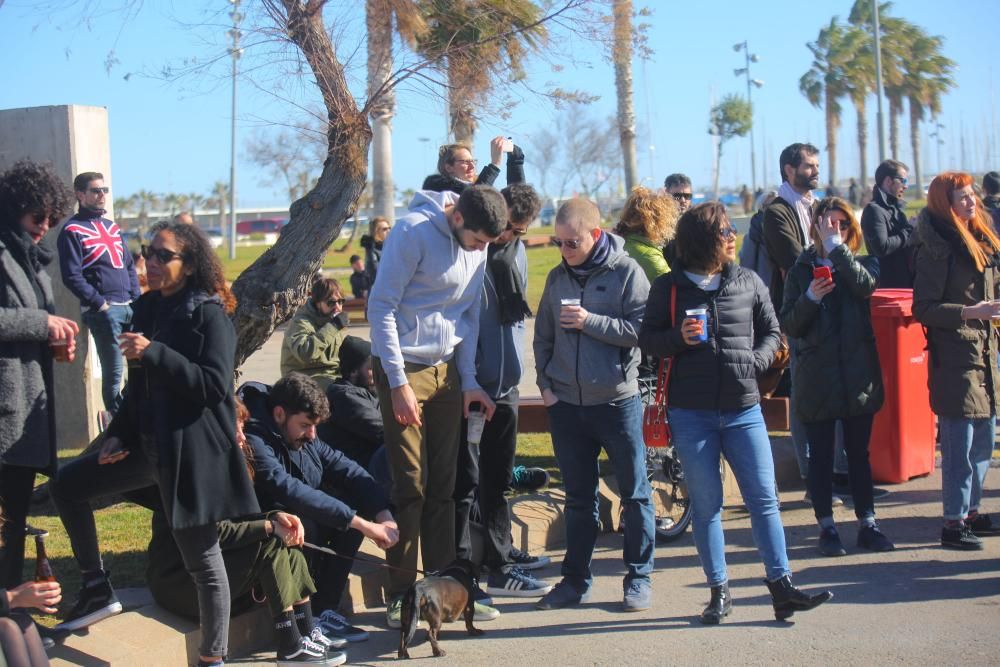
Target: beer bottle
{"points": [[43, 570]]}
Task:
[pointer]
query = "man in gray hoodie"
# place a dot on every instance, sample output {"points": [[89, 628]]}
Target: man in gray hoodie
{"points": [[586, 359], [424, 314]]}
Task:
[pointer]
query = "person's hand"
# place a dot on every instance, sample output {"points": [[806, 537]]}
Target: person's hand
{"points": [[496, 150], [133, 345], [984, 310], [549, 398], [112, 451], [61, 328], [691, 329], [382, 534], [481, 397], [288, 528], [820, 287], [572, 317], [827, 227], [404, 406], [105, 307], [41, 595]]}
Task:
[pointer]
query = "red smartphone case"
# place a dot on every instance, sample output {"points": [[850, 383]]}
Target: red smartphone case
{"points": [[822, 272]]}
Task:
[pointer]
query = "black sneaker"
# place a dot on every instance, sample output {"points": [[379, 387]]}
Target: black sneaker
{"points": [[982, 526], [830, 544], [960, 538], [309, 652], [97, 601], [526, 561], [334, 625], [529, 479], [873, 539]]}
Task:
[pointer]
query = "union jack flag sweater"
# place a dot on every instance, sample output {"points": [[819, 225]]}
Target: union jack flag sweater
{"points": [[96, 266]]}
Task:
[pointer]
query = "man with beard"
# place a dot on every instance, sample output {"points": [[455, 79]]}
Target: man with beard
{"points": [[297, 472], [424, 314]]}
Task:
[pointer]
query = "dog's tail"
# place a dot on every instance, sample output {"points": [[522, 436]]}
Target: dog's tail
{"points": [[409, 613]]}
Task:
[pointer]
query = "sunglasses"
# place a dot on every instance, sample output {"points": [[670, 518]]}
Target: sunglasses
{"points": [[515, 231], [468, 163], [162, 255], [39, 217], [333, 303], [728, 233], [97, 191], [682, 196], [572, 244], [902, 181]]}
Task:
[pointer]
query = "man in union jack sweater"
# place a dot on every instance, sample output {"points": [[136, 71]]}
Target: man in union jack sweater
{"points": [[97, 267]]}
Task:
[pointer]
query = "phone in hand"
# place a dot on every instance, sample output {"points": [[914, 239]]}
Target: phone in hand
{"points": [[822, 272], [508, 145]]}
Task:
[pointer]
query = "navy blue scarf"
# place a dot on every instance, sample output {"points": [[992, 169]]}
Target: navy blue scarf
{"points": [[597, 258]]}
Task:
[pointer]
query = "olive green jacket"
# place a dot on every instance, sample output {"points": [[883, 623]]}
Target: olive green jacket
{"points": [[312, 345], [647, 255], [962, 378]]}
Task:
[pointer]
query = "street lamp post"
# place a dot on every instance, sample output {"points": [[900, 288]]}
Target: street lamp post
{"points": [[879, 89], [235, 51], [750, 58]]}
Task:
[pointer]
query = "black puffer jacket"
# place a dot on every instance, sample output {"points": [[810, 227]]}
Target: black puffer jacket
{"points": [[743, 337], [837, 372]]}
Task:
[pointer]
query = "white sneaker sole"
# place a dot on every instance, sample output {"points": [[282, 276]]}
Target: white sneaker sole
{"points": [[519, 592], [332, 660], [91, 618]]}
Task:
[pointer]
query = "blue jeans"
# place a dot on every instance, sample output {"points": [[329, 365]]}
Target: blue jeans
{"points": [[966, 448], [578, 435], [700, 437], [106, 327]]}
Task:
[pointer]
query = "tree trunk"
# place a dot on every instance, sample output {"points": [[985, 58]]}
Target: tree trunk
{"points": [[718, 167], [862, 144], [270, 290], [383, 102], [622, 56], [463, 123], [895, 111], [831, 139], [915, 146]]}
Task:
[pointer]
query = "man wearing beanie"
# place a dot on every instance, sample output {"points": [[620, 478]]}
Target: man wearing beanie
{"points": [[355, 423]]}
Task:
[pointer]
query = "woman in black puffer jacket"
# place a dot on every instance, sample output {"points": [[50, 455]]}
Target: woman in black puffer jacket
{"points": [[714, 401], [837, 375]]}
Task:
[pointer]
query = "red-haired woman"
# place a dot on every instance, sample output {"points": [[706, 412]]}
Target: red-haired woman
{"points": [[954, 297]]}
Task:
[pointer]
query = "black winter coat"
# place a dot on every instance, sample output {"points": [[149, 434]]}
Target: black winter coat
{"points": [[355, 423], [182, 395], [837, 371], [886, 231], [720, 374]]}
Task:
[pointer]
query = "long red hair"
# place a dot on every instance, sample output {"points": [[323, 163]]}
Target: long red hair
{"points": [[939, 205]]}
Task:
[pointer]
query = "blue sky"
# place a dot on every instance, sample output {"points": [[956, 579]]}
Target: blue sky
{"points": [[175, 136]]}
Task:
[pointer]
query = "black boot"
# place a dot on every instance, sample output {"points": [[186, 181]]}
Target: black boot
{"points": [[719, 606], [787, 599]]}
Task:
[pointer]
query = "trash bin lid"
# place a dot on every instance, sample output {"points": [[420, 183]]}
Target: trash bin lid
{"points": [[892, 303]]}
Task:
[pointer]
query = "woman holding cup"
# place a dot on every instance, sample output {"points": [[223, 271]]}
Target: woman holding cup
{"points": [[32, 199], [714, 403]]}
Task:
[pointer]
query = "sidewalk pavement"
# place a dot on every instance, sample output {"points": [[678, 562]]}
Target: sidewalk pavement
{"points": [[919, 605]]}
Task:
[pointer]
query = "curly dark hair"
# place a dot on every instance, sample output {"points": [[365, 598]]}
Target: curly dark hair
{"points": [[30, 187], [197, 253], [299, 394], [698, 236], [522, 202]]}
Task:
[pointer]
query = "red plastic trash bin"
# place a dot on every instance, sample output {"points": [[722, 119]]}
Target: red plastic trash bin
{"points": [[903, 434]]}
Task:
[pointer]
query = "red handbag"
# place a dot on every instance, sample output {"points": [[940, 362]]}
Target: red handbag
{"points": [[655, 427]]}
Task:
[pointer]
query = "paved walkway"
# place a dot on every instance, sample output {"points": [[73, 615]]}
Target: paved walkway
{"points": [[920, 605]]}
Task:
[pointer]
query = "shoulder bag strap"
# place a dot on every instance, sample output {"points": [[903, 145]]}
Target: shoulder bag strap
{"points": [[663, 377]]}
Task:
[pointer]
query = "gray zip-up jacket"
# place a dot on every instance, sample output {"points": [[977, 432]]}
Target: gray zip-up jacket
{"points": [[500, 349], [598, 364]]}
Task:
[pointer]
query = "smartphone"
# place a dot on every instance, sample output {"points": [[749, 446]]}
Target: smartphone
{"points": [[508, 145], [822, 272]]}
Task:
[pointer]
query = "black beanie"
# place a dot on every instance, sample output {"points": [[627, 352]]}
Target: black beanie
{"points": [[353, 353]]}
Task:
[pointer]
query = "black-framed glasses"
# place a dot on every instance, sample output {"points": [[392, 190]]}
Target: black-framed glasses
{"points": [[572, 244], [333, 303], [682, 196], [97, 191], [470, 163], [902, 181], [728, 233], [38, 217], [162, 255]]}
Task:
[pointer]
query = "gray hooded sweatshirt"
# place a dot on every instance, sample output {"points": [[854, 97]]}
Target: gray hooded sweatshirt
{"points": [[598, 364]]}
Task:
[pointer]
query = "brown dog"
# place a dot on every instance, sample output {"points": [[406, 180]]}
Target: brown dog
{"points": [[439, 598]]}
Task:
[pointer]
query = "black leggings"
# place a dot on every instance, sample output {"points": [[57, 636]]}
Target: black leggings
{"points": [[857, 432], [16, 485]]}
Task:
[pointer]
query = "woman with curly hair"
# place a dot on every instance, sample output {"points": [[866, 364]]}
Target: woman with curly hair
{"points": [[648, 221], [175, 430], [955, 291], [32, 198]]}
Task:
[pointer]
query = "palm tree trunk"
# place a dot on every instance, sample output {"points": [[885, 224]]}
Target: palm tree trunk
{"points": [[718, 167], [463, 124], [862, 143], [831, 139], [895, 111], [622, 55], [383, 103], [915, 114]]}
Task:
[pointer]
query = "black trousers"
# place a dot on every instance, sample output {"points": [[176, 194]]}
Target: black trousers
{"points": [[329, 572], [16, 485], [857, 432], [483, 476]]}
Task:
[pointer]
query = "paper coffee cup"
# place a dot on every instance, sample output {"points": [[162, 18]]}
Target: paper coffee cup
{"points": [[700, 314], [477, 422]]}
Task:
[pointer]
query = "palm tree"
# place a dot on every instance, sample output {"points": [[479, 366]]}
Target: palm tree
{"points": [[859, 74], [622, 56], [729, 118], [826, 82], [480, 44], [928, 77], [219, 198], [381, 96], [146, 200]]}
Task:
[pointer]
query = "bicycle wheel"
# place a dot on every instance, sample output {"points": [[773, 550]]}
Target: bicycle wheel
{"points": [[676, 515]]}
